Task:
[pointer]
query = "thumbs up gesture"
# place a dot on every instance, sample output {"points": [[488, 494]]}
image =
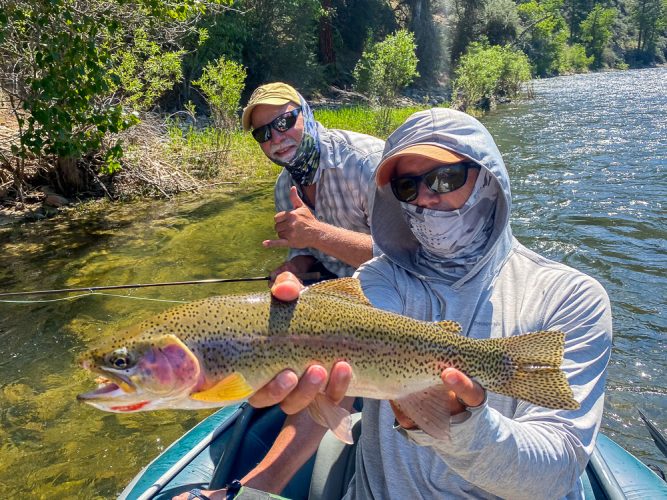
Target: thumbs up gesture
{"points": [[296, 228]]}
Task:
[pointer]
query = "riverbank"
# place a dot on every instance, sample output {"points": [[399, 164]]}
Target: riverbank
{"points": [[179, 153]]}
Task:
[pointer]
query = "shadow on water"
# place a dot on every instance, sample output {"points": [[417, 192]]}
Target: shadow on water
{"points": [[586, 161]]}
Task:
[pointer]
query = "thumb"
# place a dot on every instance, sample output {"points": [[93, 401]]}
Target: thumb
{"points": [[297, 202], [467, 390]]}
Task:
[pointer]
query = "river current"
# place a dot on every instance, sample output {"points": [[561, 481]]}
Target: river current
{"points": [[586, 158]]}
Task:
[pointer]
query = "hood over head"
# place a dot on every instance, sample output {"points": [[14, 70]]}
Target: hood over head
{"points": [[449, 136]]}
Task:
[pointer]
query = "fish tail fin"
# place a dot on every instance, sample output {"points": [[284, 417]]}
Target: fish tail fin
{"points": [[535, 370]]}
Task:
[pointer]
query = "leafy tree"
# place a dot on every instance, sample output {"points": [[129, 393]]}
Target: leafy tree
{"points": [[63, 64], [143, 71], [428, 38], [574, 12], [545, 35], [467, 26], [352, 23], [486, 73], [387, 67], [222, 84], [281, 42], [220, 34], [501, 22], [650, 20], [596, 32]]}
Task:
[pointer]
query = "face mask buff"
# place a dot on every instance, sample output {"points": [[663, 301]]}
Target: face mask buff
{"points": [[303, 166], [456, 234]]}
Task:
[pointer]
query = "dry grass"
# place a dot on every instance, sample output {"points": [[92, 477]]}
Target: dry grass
{"points": [[164, 157], [147, 169]]}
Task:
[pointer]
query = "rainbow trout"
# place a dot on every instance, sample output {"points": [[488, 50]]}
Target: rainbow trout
{"points": [[219, 351]]}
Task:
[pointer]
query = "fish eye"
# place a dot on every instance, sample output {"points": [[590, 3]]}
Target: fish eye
{"points": [[120, 359]]}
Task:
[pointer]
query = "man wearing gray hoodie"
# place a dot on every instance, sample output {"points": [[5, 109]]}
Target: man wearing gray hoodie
{"points": [[440, 215], [440, 218]]}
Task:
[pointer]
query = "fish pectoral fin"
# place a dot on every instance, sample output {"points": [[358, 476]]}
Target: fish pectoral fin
{"points": [[449, 326], [428, 409], [229, 390], [330, 415], [347, 288]]}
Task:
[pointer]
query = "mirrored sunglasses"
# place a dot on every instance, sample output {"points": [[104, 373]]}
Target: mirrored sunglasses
{"points": [[442, 179], [281, 123]]}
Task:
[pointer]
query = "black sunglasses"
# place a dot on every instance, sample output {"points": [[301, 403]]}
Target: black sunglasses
{"points": [[442, 179], [281, 123]]}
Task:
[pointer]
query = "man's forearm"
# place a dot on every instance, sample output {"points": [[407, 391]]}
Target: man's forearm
{"points": [[347, 246], [295, 444]]}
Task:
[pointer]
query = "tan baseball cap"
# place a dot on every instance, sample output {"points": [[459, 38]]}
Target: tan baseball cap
{"points": [[385, 170], [275, 94]]}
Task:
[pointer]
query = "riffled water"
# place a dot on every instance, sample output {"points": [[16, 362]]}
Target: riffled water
{"points": [[586, 158]]}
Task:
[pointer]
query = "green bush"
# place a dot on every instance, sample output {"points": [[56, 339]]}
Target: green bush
{"points": [[486, 73], [596, 31], [143, 71], [76, 68], [501, 21], [222, 83], [573, 59], [546, 36], [387, 67]]}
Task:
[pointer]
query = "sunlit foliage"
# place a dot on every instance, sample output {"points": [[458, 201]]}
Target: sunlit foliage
{"points": [[488, 72]]}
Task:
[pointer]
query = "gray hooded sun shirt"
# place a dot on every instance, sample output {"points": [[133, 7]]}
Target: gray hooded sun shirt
{"points": [[505, 448]]}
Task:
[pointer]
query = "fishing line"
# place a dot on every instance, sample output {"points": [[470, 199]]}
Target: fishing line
{"points": [[314, 276], [87, 295], [94, 290]]}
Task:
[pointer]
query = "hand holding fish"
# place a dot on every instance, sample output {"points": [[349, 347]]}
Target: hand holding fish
{"points": [[286, 287], [295, 395], [461, 393], [223, 350]]}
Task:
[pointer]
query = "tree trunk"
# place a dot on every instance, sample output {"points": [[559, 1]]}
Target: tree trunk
{"points": [[327, 54], [429, 50], [69, 177]]}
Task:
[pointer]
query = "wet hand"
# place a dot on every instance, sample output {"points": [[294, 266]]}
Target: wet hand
{"points": [[462, 392], [297, 228], [294, 394]]}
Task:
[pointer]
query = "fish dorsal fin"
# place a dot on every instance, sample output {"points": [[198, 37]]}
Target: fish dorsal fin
{"points": [[449, 326], [348, 288], [230, 389]]}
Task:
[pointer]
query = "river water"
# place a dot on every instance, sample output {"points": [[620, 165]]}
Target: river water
{"points": [[586, 159]]}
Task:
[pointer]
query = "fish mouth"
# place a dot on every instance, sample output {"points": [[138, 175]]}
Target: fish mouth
{"points": [[109, 387]]}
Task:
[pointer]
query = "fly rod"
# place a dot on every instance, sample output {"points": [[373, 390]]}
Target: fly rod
{"points": [[303, 277]]}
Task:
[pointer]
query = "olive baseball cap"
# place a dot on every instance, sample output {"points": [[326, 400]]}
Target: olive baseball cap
{"points": [[275, 94]]}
